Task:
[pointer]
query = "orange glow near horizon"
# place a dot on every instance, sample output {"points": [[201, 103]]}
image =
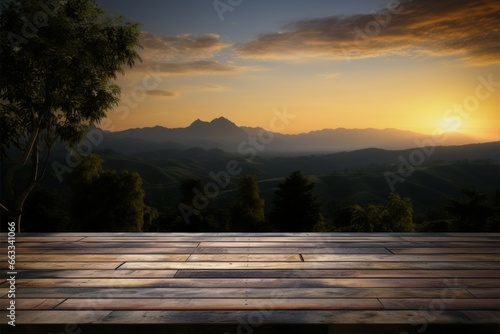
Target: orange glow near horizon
{"points": [[427, 103], [320, 71]]}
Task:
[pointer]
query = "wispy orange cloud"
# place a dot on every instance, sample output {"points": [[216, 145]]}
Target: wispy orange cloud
{"points": [[185, 54], [161, 93], [165, 48], [198, 67], [467, 29]]}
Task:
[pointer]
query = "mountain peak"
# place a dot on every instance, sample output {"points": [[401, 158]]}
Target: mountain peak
{"points": [[217, 123], [198, 123], [222, 121]]}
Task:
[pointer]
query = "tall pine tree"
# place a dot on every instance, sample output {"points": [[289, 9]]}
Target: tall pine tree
{"points": [[247, 213], [296, 206]]}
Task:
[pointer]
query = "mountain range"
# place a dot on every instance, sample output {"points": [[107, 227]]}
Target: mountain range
{"points": [[165, 157], [223, 134]]}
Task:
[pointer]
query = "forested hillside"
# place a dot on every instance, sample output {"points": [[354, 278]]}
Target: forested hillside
{"points": [[345, 185]]}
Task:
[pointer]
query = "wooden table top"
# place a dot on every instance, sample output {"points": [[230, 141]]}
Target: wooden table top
{"points": [[252, 279]]}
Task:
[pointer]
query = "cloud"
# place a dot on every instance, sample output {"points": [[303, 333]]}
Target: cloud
{"points": [[199, 67], [463, 28], [162, 93], [185, 46], [184, 54]]}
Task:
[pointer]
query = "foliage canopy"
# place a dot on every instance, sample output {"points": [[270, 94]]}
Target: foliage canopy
{"points": [[59, 62]]}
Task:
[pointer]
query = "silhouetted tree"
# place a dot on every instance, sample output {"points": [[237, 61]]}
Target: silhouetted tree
{"points": [[192, 207], [106, 200], [395, 216], [342, 216], [247, 213], [58, 64], [473, 213], [493, 223], [46, 210], [196, 211], [372, 219], [399, 217], [296, 206]]}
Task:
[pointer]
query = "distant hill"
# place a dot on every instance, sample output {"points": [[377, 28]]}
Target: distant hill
{"points": [[345, 175], [223, 134]]}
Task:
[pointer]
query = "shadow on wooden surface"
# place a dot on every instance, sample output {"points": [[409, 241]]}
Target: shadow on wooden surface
{"points": [[265, 329]]}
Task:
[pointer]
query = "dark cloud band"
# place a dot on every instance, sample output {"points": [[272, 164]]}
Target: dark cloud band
{"points": [[467, 29]]}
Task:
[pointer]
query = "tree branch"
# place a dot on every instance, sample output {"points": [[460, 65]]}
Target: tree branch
{"points": [[9, 175], [30, 186], [4, 207]]}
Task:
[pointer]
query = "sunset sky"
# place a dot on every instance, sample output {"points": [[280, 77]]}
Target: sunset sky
{"points": [[413, 65]]}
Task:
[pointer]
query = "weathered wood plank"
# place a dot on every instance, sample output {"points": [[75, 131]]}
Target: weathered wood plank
{"points": [[59, 317], [419, 318], [261, 244], [408, 258], [31, 304], [269, 244], [292, 282], [485, 292], [318, 317], [339, 273], [318, 238], [228, 293], [208, 250], [292, 250], [263, 304], [456, 237], [119, 245], [245, 257], [447, 250], [441, 304], [138, 243], [100, 257], [21, 238], [308, 265], [259, 234], [108, 250], [95, 273], [64, 265], [140, 240], [347, 243], [160, 238], [220, 304]]}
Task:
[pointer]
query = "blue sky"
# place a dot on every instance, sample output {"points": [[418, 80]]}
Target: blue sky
{"points": [[246, 20]]}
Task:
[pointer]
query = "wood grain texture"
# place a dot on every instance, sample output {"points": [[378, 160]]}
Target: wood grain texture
{"points": [[442, 250], [221, 304], [296, 281], [285, 278], [229, 293], [405, 258], [32, 303], [100, 257], [417, 317], [310, 265]]}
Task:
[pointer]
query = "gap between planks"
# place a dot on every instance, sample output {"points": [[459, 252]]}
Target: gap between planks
{"points": [[120, 265]]}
